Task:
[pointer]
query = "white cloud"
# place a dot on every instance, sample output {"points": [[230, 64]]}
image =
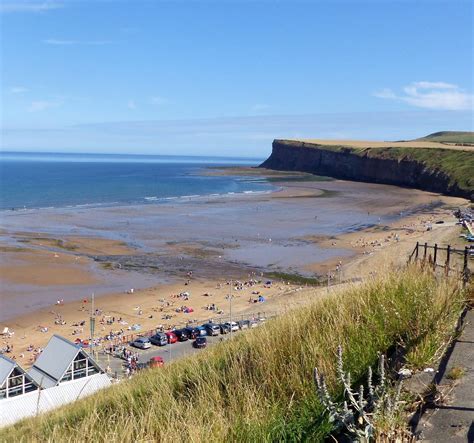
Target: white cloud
{"points": [[18, 90], [157, 100], [131, 105], [42, 105], [60, 42], [431, 95], [29, 6]]}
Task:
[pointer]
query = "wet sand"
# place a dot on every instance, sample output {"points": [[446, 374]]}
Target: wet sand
{"points": [[306, 227]]}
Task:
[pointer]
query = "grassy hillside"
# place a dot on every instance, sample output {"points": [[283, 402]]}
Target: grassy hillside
{"points": [[455, 162], [258, 386], [450, 137]]}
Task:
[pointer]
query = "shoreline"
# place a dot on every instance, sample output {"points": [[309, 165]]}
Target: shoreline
{"points": [[369, 248]]}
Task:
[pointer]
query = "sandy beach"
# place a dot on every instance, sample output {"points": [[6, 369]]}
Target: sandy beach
{"points": [[344, 229]]}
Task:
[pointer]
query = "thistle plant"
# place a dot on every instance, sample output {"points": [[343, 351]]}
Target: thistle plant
{"points": [[360, 412]]}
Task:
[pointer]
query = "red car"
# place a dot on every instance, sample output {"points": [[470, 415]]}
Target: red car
{"points": [[172, 338], [156, 362]]}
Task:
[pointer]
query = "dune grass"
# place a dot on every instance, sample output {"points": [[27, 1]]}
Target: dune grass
{"points": [[258, 386]]}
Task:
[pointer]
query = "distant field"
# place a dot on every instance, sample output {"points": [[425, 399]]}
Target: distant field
{"points": [[365, 144], [450, 137]]}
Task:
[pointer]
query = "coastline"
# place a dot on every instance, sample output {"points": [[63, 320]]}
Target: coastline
{"points": [[368, 248]]}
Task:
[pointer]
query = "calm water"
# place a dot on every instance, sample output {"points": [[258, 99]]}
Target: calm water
{"points": [[30, 180]]}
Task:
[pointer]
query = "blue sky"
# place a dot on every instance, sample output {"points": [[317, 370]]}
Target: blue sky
{"points": [[226, 77]]}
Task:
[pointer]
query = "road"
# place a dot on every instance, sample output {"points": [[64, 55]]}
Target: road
{"points": [[168, 353]]}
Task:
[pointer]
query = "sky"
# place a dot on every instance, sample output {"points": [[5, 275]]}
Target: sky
{"points": [[227, 77]]}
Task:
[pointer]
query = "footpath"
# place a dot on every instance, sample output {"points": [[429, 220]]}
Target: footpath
{"points": [[451, 417]]}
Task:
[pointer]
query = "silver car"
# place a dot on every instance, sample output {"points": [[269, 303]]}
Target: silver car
{"points": [[212, 329], [141, 343], [232, 325]]}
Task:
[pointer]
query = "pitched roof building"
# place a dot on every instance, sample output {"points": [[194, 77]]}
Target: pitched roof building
{"points": [[14, 380], [63, 373], [60, 361]]}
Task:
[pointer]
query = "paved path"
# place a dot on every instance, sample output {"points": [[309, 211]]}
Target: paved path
{"points": [[453, 421]]}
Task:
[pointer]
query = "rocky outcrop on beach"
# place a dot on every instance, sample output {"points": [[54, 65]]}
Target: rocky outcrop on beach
{"points": [[393, 166]]}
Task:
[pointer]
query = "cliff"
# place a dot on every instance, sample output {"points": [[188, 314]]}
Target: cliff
{"points": [[428, 166]]}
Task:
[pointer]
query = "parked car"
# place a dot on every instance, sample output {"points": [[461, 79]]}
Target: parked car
{"points": [[202, 331], [192, 332], [224, 328], [200, 342], [182, 334], [244, 324], [172, 338], [232, 325], [156, 362], [141, 343], [212, 328], [159, 339]]}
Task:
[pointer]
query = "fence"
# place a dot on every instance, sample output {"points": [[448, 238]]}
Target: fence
{"points": [[451, 260]]}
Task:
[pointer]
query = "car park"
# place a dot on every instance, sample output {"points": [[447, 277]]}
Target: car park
{"points": [[202, 331], [192, 332], [182, 334], [244, 324], [224, 328], [141, 343], [232, 325], [172, 338], [200, 342], [212, 329], [156, 362], [159, 339]]}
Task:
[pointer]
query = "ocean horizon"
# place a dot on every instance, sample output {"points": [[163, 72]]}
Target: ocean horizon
{"points": [[33, 180]]}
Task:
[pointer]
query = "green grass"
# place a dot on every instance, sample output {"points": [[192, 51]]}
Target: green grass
{"points": [[295, 279], [456, 164], [258, 386], [450, 137]]}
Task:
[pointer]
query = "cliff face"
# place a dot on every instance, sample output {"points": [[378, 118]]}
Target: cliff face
{"points": [[344, 163]]}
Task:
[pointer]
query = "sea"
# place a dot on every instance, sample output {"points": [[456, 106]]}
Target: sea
{"points": [[52, 180]]}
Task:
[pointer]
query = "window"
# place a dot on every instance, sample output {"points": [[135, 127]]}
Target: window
{"points": [[80, 367]]}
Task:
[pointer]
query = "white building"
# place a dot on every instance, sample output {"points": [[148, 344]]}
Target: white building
{"points": [[63, 373]]}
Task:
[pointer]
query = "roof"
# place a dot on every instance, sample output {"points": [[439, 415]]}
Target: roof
{"points": [[43, 379], [6, 367], [54, 361]]}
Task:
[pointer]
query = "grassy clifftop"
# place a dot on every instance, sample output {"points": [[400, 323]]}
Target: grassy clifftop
{"points": [[425, 163], [450, 137], [258, 386]]}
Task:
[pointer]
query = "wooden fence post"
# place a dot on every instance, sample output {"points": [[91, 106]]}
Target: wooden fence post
{"points": [[425, 250], [448, 254], [465, 270], [416, 253], [435, 255]]}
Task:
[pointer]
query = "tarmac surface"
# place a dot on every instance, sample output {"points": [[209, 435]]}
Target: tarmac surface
{"points": [[452, 419]]}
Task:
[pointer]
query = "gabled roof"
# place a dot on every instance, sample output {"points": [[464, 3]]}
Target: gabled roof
{"points": [[6, 367], [55, 360]]}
